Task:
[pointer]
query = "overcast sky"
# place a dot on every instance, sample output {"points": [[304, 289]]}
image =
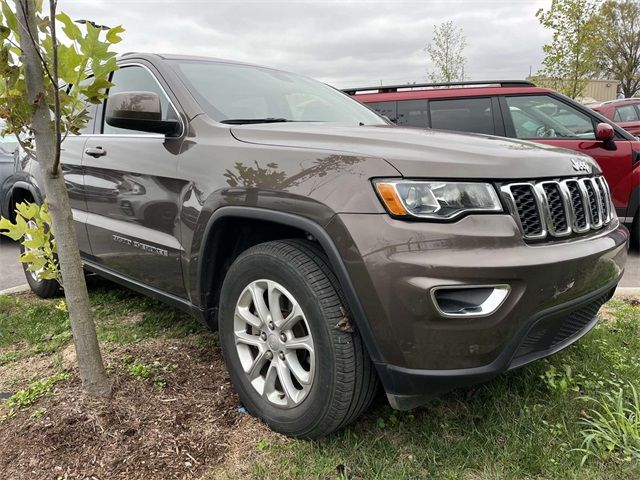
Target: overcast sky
{"points": [[344, 43]]}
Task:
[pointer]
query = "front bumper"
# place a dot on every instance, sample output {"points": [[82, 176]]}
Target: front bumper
{"points": [[545, 334], [394, 265]]}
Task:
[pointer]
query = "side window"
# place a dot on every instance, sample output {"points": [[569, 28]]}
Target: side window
{"points": [[542, 116], [413, 113], [463, 115], [626, 113], [136, 79], [388, 109]]}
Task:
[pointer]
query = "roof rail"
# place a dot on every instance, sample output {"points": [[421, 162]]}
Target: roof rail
{"points": [[410, 86]]}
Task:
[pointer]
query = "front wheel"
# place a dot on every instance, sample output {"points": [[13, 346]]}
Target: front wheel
{"points": [[288, 343]]}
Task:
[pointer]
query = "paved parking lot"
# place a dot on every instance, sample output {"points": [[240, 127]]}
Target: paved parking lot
{"points": [[11, 274]]}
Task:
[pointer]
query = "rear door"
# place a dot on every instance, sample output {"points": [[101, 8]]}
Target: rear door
{"points": [[132, 192], [546, 119]]}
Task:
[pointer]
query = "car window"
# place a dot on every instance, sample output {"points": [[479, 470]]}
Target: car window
{"points": [[542, 116], [464, 115], [626, 113], [388, 109], [8, 143], [413, 113], [136, 79]]}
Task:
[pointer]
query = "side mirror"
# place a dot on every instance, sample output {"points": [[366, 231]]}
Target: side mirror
{"points": [[139, 111], [604, 132]]}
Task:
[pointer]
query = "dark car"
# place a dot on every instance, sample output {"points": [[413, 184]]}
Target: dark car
{"points": [[333, 250], [625, 112], [519, 109]]}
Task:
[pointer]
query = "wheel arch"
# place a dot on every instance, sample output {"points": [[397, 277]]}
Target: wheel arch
{"points": [[210, 267], [23, 190]]}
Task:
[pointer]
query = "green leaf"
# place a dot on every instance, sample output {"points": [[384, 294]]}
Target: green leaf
{"points": [[113, 35], [97, 88], [9, 17], [70, 29], [45, 216], [13, 232], [69, 61], [27, 210]]}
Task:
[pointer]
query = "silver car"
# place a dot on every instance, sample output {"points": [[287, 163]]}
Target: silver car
{"points": [[8, 148]]}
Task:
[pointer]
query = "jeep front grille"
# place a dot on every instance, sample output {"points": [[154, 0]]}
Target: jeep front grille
{"points": [[559, 208]]}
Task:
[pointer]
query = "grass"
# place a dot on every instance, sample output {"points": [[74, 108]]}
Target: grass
{"points": [[574, 415], [30, 326], [36, 390], [535, 422]]}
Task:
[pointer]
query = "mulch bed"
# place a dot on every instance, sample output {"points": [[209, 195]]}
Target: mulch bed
{"points": [[180, 431]]}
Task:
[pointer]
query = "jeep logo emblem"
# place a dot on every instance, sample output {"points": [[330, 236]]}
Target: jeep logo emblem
{"points": [[580, 165]]}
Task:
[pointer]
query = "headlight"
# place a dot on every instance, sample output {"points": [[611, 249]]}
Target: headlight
{"points": [[436, 199]]}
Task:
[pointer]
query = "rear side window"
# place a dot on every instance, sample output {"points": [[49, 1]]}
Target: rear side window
{"points": [[626, 113], [413, 113], [388, 109], [464, 115]]}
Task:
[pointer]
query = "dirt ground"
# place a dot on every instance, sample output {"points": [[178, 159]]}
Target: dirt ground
{"points": [[188, 428]]}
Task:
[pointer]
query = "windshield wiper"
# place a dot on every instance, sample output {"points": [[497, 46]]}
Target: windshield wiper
{"points": [[242, 121]]}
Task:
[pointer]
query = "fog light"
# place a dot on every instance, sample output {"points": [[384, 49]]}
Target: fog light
{"points": [[469, 301]]}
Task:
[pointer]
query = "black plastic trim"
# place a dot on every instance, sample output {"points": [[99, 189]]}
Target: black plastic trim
{"points": [[634, 203], [168, 298], [408, 388], [325, 242]]}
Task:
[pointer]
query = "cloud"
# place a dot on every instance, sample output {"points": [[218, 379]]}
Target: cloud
{"points": [[345, 43]]}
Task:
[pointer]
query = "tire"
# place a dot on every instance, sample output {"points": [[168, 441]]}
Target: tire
{"points": [[42, 288], [340, 381]]}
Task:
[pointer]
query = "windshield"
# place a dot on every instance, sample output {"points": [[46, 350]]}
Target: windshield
{"points": [[247, 94]]}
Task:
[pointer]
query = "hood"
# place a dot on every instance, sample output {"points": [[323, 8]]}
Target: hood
{"points": [[425, 153]]}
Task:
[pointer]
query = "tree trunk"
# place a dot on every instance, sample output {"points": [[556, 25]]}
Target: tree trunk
{"points": [[92, 372]]}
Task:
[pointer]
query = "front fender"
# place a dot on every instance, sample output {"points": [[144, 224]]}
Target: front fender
{"points": [[326, 242]]}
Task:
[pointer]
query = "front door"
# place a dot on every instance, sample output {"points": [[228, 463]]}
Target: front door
{"points": [[546, 119], [132, 193]]}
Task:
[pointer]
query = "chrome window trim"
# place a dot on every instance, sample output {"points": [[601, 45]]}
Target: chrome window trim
{"points": [[116, 135], [139, 135]]}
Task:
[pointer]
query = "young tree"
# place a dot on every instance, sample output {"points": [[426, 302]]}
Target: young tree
{"points": [[571, 59], [33, 67], [446, 52], [620, 58]]}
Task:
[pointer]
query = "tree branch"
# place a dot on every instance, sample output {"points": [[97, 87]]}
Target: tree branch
{"points": [[36, 45], [55, 167]]}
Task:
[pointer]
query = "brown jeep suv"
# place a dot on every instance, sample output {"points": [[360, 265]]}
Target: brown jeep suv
{"points": [[334, 251]]}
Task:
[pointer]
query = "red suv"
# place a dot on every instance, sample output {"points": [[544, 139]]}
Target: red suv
{"points": [[625, 112], [519, 109]]}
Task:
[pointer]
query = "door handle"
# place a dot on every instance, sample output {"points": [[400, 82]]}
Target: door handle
{"points": [[96, 152]]}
